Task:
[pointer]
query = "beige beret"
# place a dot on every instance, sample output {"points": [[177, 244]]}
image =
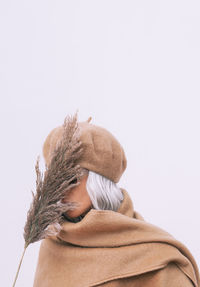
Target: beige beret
{"points": [[102, 152]]}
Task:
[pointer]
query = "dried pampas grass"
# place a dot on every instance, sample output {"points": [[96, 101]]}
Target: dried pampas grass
{"points": [[44, 218]]}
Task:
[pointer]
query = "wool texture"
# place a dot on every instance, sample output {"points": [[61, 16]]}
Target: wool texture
{"points": [[102, 152], [114, 249]]}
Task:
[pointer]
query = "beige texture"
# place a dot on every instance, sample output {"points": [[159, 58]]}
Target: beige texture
{"points": [[102, 154], [108, 248]]}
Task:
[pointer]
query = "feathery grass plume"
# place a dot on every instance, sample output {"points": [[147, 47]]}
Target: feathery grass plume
{"points": [[44, 218]]}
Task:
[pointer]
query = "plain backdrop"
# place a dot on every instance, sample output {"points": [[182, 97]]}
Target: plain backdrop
{"points": [[134, 67]]}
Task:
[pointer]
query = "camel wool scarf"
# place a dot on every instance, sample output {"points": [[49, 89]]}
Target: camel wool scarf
{"points": [[115, 249]]}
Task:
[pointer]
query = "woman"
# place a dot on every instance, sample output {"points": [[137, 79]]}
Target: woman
{"points": [[104, 241]]}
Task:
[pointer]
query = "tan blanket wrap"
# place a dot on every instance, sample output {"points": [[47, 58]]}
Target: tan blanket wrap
{"points": [[108, 248]]}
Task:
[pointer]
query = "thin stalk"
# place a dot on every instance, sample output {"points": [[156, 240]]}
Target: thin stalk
{"points": [[19, 265]]}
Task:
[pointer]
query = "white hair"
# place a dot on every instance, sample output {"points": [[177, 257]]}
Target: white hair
{"points": [[104, 193]]}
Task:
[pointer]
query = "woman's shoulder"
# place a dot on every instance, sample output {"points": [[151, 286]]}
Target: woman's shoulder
{"points": [[169, 276]]}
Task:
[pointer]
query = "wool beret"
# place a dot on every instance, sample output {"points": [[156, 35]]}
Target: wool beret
{"points": [[102, 152]]}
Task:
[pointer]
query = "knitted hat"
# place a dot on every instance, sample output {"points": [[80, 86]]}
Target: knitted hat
{"points": [[102, 152]]}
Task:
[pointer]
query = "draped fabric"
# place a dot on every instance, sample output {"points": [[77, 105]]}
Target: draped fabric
{"points": [[114, 249]]}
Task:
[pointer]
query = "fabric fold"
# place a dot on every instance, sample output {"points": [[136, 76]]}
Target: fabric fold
{"points": [[107, 245]]}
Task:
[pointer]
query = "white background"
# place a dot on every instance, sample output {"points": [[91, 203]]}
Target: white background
{"points": [[134, 67]]}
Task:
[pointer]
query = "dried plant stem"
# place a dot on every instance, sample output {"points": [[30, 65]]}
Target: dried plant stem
{"points": [[19, 265], [45, 215]]}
